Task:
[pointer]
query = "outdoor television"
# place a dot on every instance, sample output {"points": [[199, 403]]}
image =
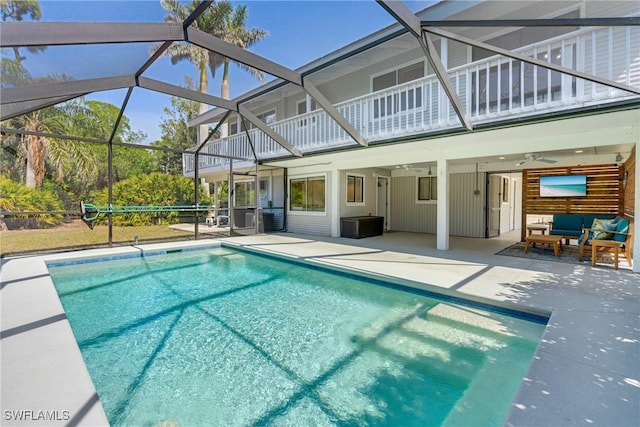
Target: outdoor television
{"points": [[563, 186]]}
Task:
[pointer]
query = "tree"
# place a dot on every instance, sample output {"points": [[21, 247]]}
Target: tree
{"points": [[36, 150], [15, 10], [236, 33], [176, 133], [223, 21]]}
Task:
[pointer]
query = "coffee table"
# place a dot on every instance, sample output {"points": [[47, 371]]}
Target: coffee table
{"points": [[554, 241]]}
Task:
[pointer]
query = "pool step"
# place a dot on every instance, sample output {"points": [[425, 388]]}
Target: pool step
{"points": [[454, 339], [229, 258]]}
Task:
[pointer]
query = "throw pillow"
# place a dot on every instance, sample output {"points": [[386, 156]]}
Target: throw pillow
{"points": [[621, 227], [602, 228]]}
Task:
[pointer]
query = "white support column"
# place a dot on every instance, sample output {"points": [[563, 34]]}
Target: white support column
{"points": [[442, 236], [636, 234], [334, 207]]}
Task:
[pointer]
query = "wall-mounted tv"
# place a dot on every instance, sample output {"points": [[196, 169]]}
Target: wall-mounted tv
{"points": [[563, 186]]}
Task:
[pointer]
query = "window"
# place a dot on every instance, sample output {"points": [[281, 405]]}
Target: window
{"points": [[399, 76], [407, 99], [307, 194], [427, 188], [238, 126], [269, 117], [302, 109], [245, 194], [355, 189]]}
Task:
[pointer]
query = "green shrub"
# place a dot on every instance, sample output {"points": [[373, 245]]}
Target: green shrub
{"points": [[17, 197], [156, 189]]}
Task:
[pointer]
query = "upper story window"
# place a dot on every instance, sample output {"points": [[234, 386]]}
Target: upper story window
{"points": [[233, 126], [398, 76], [308, 105], [237, 125], [307, 194], [387, 104], [524, 36], [355, 189], [269, 117]]}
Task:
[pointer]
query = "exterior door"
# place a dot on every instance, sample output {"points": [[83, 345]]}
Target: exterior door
{"points": [[494, 204], [383, 200]]}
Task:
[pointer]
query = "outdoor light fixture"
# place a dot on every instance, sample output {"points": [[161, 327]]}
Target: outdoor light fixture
{"points": [[618, 157]]}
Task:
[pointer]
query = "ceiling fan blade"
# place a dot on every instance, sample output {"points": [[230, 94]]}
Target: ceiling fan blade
{"points": [[521, 162], [547, 160]]}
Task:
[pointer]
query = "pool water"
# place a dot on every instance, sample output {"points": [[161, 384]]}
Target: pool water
{"points": [[228, 338]]}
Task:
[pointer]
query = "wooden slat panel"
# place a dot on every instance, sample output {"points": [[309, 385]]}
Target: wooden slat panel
{"points": [[605, 193], [630, 185]]}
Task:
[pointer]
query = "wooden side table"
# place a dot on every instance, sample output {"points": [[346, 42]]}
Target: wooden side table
{"points": [[542, 228], [605, 245]]}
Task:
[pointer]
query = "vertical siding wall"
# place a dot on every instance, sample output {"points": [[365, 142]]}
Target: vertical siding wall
{"points": [[406, 214], [467, 210]]}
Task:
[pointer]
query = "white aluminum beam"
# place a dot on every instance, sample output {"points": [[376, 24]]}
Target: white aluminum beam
{"points": [[169, 89], [60, 89], [411, 22], [207, 41], [244, 111], [22, 34], [333, 112], [534, 61]]}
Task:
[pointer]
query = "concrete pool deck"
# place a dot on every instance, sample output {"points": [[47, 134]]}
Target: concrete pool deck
{"points": [[586, 369]]}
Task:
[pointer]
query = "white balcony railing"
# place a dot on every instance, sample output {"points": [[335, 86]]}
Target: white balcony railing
{"points": [[495, 88]]}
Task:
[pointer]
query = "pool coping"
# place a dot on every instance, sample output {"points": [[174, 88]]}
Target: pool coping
{"points": [[43, 368]]}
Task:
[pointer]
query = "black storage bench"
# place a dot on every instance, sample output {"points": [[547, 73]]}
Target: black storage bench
{"points": [[357, 227]]}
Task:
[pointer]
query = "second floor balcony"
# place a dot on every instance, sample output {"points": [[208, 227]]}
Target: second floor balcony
{"points": [[491, 90]]}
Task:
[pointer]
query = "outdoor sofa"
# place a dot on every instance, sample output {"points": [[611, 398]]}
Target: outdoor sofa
{"points": [[570, 226]]}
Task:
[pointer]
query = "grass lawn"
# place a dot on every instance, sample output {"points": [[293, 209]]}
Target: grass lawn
{"points": [[78, 235]]}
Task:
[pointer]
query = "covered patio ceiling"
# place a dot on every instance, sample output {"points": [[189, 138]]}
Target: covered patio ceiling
{"points": [[103, 42]]}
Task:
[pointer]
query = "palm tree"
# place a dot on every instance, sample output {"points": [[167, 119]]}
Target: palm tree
{"points": [[224, 21], [62, 155], [236, 33]]}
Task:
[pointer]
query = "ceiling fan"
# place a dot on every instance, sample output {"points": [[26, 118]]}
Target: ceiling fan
{"points": [[534, 157]]}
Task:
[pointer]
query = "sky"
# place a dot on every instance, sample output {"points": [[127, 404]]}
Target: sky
{"points": [[300, 31]]}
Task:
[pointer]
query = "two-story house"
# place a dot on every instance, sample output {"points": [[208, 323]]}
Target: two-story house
{"points": [[434, 114]]}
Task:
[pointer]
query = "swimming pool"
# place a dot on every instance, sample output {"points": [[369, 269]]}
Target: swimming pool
{"points": [[223, 337]]}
